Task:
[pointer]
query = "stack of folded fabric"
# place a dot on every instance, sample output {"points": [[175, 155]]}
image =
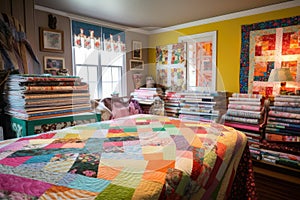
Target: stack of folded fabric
{"points": [[284, 119], [172, 104], [146, 97], [201, 106], [246, 112], [41, 96], [282, 135]]}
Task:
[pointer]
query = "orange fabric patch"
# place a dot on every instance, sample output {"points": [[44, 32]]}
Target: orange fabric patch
{"points": [[160, 165], [155, 176], [221, 149], [177, 123], [108, 173], [73, 145], [154, 156]]}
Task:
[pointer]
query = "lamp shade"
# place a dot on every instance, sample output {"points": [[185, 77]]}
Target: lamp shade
{"points": [[280, 74]]}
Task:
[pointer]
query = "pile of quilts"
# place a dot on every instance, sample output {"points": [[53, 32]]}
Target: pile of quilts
{"points": [[246, 112], [146, 97], [33, 97]]}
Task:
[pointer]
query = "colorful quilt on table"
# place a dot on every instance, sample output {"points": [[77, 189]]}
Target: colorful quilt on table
{"points": [[136, 157]]}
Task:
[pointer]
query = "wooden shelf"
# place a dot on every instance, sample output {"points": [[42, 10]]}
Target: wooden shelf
{"points": [[275, 181]]}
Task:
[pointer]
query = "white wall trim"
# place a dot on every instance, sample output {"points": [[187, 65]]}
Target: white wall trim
{"points": [[255, 11]]}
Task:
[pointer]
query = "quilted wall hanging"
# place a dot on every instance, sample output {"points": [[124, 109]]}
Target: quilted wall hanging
{"points": [[268, 45], [171, 66]]}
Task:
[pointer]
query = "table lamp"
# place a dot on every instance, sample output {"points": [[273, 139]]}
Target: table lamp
{"points": [[280, 75]]}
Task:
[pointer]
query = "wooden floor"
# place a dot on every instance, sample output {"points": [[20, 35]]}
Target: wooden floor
{"points": [[275, 182]]}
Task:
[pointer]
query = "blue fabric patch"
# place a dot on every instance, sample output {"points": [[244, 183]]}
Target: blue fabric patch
{"points": [[67, 179], [90, 184], [135, 149], [40, 159], [130, 156]]}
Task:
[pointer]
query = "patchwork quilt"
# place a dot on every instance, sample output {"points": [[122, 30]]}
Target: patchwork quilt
{"points": [[135, 157]]}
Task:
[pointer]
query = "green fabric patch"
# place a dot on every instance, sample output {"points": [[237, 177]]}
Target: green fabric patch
{"points": [[169, 126], [183, 184], [85, 127], [129, 129], [115, 192], [101, 125], [158, 129], [173, 131]]}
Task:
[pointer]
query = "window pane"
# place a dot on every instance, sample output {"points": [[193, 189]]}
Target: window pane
{"points": [[93, 90], [79, 55], [116, 73], [86, 56], [106, 74], [91, 57], [118, 60], [82, 72], [93, 73], [106, 89], [116, 87], [111, 58]]}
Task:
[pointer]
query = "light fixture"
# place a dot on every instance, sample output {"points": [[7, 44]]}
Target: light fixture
{"points": [[280, 75]]}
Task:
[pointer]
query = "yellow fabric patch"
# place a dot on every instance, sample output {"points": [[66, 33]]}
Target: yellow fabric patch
{"points": [[147, 190]]}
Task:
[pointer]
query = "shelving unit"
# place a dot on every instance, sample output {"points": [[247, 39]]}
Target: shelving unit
{"points": [[274, 181]]}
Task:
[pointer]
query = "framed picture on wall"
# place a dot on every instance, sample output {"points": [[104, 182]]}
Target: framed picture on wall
{"points": [[54, 63], [51, 40], [136, 64], [137, 50]]}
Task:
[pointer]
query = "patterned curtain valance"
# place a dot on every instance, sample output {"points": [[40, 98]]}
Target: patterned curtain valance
{"points": [[98, 37]]}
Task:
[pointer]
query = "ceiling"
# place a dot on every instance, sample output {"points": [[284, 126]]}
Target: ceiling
{"points": [[153, 14]]}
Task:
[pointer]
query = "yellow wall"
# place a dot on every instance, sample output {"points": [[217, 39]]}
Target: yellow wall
{"points": [[228, 44]]}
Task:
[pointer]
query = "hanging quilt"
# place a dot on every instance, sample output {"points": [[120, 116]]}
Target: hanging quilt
{"points": [[269, 45], [171, 66]]}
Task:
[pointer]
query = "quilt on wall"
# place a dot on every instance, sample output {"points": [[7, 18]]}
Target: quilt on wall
{"points": [[269, 45], [171, 66]]}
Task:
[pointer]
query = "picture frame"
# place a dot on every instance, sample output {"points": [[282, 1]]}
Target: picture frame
{"points": [[54, 63], [51, 40], [136, 64], [136, 50]]}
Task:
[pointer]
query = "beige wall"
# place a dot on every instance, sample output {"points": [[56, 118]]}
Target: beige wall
{"points": [[23, 11], [63, 24], [134, 36]]}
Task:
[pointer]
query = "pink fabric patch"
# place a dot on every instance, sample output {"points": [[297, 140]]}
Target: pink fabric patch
{"points": [[184, 154], [110, 144], [74, 145], [41, 136], [14, 146], [131, 143], [14, 161], [23, 185], [54, 146]]}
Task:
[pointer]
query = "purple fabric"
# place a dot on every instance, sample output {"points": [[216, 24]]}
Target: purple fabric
{"points": [[23, 185]]}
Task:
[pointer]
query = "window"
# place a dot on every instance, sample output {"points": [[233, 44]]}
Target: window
{"points": [[201, 60], [99, 59]]}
